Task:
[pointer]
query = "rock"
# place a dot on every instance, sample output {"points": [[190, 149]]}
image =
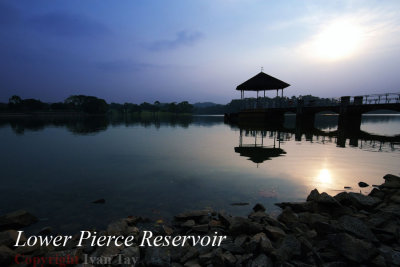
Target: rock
{"points": [[16, 220], [391, 256], [326, 199], [167, 230], [297, 206], [131, 252], [118, 227], [357, 200], [274, 232], [378, 261], [313, 196], [348, 187], [243, 225], [9, 238], [189, 223], [157, 256], [45, 231], [258, 207], [288, 216], [99, 201], [225, 218], [375, 192], [288, 248], [352, 248], [6, 255], [240, 204], [362, 184], [192, 253], [229, 258], [192, 263], [391, 181], [356, 227], [240, 240], [202, 228], [262, 261], [194, 214], [232, 247], [214, 224]]}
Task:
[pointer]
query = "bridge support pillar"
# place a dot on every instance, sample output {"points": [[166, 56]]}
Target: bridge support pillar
{"points": [[305, 119], [349, 123]]}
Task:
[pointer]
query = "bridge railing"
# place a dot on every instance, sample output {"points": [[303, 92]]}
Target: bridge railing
{"points": [[307, 101]]}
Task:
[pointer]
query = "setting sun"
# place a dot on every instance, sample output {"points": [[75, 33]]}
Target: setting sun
{"points": [[338, 40], [324, 177]]}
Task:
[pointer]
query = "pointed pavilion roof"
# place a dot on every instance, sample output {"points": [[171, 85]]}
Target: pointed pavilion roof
{"points": [[261, 82]]}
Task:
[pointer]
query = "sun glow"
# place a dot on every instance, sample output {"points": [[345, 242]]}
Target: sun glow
{"points": [[337, 40], [324, 177]]}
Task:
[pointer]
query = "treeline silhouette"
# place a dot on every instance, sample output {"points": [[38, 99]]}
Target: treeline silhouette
{"points": [[90, 105]]}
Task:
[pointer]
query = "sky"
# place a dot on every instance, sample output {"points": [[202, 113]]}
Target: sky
{"points": [[198, 50]]}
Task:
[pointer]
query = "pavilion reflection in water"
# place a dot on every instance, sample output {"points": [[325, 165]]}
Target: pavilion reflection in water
{"points": [[257, 151]]}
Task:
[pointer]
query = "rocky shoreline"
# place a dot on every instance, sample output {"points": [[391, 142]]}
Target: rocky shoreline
{"points": [[349, 229]]}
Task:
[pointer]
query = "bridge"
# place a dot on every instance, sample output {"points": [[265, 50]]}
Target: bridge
{"points": [[350, 109]]}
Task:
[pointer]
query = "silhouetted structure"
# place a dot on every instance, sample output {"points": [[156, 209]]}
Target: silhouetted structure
{"points": [[262, 82]]}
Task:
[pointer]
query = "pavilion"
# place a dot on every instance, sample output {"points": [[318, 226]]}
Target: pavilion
{"points": [[262, 82]]}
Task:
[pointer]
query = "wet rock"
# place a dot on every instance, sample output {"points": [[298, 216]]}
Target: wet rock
{"points": [[157, 256], [6, 255], [274, 232], [378, 261], [16, 220], [9, 238], [214, 224], [190, 254], [167, 230], [258, 207], [363, 184], [288, 216], [262, 260], [288, 248], [353, 248], [244, 226], [391, 181], [131, 252], [356, 227], [99, 201]]}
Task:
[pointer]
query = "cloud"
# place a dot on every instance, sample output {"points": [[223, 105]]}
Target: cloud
{"points": [[182, 38], [123, 66], [66, 24]]}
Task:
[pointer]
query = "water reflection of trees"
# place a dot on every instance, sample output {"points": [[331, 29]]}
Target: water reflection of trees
{"points": [[83, 125]]}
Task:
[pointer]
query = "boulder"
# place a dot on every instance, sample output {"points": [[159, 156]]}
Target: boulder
{"points": [[262, 260], [194, 214], [274, 232], [6, 255], [353, 248], [391, 181], [356, 227], [288, 216], [16, 220], [157, 256], [288, 248], [241, 225], [9, 238], [258, 207], [363, 184], [313, 196]]}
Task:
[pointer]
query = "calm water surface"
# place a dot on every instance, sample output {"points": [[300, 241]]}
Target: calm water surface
{"points": [[156, 168]]}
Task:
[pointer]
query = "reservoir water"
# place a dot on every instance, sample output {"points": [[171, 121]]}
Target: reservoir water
{"points": [[159, 166]]}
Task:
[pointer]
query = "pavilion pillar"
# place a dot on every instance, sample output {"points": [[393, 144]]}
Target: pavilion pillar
{"points": [[282, 93], [277, 92]]}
